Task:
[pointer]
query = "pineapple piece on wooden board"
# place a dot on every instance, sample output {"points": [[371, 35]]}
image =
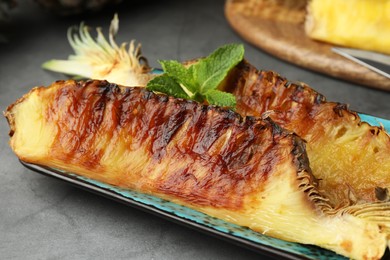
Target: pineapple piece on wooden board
{"points": [[246, 171], [350, 158], [362, 24]]}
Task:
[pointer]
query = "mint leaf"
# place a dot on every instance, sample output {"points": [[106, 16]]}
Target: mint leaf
{"points": [[182, 75], [200, 81], [168, 85], [210, 71], [219, 98]]}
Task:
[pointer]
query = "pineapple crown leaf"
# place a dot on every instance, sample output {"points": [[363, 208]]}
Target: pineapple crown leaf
{"points": [[97, 57]]}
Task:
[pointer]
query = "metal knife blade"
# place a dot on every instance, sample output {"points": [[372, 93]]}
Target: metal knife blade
{"points": [[377, 62]]}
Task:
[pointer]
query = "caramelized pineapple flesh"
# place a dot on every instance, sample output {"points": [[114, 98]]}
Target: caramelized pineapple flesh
{"points": [[246, 171], [351, 159]]}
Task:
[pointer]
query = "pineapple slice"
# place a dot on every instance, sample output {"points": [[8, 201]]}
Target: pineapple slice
{"points": [[350, 158], [362, 24], [243, 170]]}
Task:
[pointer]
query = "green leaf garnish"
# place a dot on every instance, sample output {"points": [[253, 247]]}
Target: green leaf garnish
{"points": [[211, 70], [221, 98], [167, 85], [200, 81], [181, 74]]}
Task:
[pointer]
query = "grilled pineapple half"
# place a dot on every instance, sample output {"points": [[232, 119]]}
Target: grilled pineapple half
{"points": [[350, 158], [360, 24], [246, 171]]}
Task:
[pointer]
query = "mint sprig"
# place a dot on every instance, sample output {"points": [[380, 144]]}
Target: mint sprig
{"points": [[200, 81]]}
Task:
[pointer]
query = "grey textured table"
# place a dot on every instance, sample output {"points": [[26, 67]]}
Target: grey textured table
{"points": [[43, 218]]}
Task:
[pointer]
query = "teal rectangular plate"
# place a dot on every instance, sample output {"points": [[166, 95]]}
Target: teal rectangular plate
{"points": [[183, 215]]}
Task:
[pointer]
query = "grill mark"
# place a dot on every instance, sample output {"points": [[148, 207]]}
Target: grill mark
{"points": [[170, 123], [288, 101]]}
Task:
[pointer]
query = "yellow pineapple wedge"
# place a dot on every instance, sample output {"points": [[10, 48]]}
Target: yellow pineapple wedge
{"points": [[246, 171], [362, 24], [350, 158]]}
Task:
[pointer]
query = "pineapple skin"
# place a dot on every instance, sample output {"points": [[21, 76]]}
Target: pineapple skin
{"points": [[349, 157], [362, 24], [246, 171]]}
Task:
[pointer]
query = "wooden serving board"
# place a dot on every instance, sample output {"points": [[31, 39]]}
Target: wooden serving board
{"points": [[277, 27]]}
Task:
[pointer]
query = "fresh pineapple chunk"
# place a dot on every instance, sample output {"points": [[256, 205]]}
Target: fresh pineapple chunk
{"points": [[362, 24]]}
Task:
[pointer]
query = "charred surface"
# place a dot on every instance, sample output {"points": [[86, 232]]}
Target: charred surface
{"points": [[244, 170], [204, 154], [334, 134]]}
